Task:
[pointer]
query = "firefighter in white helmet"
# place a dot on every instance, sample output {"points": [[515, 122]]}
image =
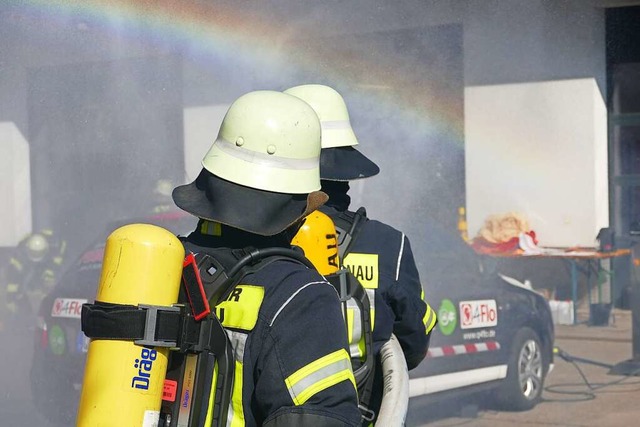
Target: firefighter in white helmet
{"points": [[379, 255], [31, 273], [260, 178]]}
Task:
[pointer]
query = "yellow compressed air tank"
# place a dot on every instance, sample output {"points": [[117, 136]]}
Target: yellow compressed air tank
{"points": [[123, 382], [318, 238]]}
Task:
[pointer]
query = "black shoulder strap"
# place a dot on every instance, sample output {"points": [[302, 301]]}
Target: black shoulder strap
{"points": [[218, 271], [222, 268], [348, 225]]}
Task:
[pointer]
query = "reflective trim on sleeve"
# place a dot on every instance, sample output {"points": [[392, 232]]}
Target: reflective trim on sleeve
{"points": [[400, 257], [429, 319], [275, 316], [319, 375], [17, 264]]}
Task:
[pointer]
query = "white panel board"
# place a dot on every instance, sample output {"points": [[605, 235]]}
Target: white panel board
{"points": [[15, 185], [538, 148], [201, 125]]}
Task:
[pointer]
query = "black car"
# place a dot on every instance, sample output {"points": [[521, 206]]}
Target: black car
{"points": [[60, 345], [494, 338]]}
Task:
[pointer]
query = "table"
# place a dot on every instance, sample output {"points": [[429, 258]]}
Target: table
{"points": [[573, 256]]}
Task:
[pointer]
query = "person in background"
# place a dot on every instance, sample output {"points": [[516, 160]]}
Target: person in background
{"points": [[31, 273], [260, 178], [162, 196], [379, 255]]}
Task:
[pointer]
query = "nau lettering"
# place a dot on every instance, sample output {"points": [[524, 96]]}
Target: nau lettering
{"points": [[364, 267], [144, 365], [361, 272]]}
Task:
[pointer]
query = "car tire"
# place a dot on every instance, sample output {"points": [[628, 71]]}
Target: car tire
{"points": [[522, 389]]}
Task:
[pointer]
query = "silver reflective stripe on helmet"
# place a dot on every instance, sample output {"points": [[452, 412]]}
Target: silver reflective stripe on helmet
{"points": [[265, 159], [335, 124]]}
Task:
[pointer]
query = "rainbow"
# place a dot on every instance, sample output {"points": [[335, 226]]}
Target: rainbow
{"points": [[211, 34]]}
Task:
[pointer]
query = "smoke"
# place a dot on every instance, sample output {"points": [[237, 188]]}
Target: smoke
{"points": [[100, 92]]}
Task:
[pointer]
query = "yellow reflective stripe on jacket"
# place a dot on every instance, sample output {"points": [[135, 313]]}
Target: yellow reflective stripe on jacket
{"points": [[429, 319], [212, 396], [319, 375], [235, 417], [235, 411], [240, 309], [17, 264], [211, 228], [364, 267]]}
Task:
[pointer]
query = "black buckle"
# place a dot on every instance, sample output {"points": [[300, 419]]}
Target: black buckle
{"points": [[149, 338]]}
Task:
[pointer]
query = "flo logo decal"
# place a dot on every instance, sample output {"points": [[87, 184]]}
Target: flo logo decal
{"points": [[478, 314], [447, 318]]}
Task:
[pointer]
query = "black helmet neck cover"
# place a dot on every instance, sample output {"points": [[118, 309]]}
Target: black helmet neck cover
{"points": [[345, 164], [337, 192], [255, 211]]}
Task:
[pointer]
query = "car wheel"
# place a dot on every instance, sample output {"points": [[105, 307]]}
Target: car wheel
{"points": [[521, 390]]}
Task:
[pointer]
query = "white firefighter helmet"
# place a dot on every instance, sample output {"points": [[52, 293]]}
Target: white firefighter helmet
{"points": [[332, 111], [269, 141], [340, 160], [37, 247], [262, 173], [163, 188]]}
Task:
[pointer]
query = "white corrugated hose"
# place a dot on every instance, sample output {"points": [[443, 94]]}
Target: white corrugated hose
{"points": [[395, 396]]}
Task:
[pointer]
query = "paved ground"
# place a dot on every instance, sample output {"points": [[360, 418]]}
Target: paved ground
{"points": [[607, 400]]}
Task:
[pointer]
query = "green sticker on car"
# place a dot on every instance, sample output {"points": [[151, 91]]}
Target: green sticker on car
{"points": [[57, 341], [447, 317]]}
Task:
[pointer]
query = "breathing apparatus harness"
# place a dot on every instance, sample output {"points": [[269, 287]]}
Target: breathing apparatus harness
{"points": [[348, 226], [200, 346]]}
